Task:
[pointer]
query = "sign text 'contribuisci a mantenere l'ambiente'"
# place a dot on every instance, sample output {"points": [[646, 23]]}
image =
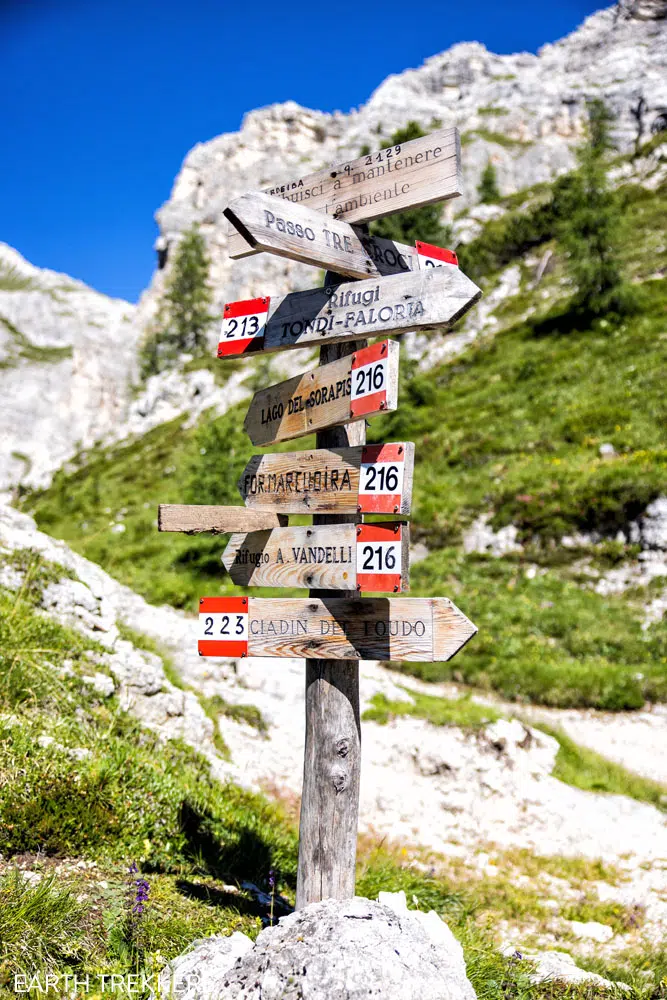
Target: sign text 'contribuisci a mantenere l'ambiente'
{"points": [[406, 175]]}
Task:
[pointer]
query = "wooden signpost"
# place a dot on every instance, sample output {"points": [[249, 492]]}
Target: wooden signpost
{"points": [[218, 520], [408, 175], [338, 557], [413, 629], [434, 297], [269, 223], [368, 479], [368, 557], [355, 387]]}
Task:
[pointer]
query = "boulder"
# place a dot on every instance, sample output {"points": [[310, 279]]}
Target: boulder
{"points": [[558, 966], [196, 972], [331, 950]]}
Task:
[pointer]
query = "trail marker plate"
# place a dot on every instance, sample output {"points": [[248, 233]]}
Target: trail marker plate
{"points": [[382, 558], [431, 298], [299, 233], [370, 380], [365, 557], [323, 397], [429, 255], [368, 479], [409, 630], [385, 473], [419, 172], [223, 626]]}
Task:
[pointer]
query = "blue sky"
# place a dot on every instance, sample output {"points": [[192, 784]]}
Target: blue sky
{"points": [[102, 99]]}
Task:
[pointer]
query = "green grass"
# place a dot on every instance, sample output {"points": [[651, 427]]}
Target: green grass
{"points": [[544, 638], [498, 138], [149, 645], [460, 712], [135, 798], [576, 765], [492, 110], [248, 714]]}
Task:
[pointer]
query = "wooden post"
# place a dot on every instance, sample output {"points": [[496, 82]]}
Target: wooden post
{"points": [[332, 756]]}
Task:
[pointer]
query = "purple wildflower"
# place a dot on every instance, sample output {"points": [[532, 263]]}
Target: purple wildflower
{"points": [[141, 895], [272, 879]]}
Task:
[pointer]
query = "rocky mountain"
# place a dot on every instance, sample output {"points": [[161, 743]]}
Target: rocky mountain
{"points": [[523, 112], [68, 354], [67, 357]]}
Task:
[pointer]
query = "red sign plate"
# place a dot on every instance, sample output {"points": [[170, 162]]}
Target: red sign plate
{"points": [[379, 557], [369, 379], [381, 478], [432, 256], [223, 626], [243, 325]]}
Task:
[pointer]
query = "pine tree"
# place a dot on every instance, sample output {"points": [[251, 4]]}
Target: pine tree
{"points": [[590, 220], [184, 314], [416, 223], [488, 185]]}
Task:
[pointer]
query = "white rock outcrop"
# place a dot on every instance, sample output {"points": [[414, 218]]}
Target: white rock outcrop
{"points": [[523, 112], [67, 358], [333, 950]]}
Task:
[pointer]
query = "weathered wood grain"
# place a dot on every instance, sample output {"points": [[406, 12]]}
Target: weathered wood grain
{"points": [[219, 520], [369, 558], [299, 233], [330, 794], [415, 173], [409, 630], [332, 757], [319, 399], [417, 300], [331, 480]]}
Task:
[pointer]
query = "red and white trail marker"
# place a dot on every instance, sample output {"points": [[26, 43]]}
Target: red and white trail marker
{"points": [[243, 326], [429, 255], [380, 560], [370, 380], [223, 626], [382, 478]]}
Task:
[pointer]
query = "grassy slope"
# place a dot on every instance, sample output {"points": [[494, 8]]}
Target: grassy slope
{"points": [[512, 427], [133, 799]]}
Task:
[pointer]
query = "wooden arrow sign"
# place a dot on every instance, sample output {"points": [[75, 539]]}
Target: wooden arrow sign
{"points": [[365, 557], [270, 223], [218, 520], [369, 479], [401, 629], [355, 387], [436, 297], [408, 175]]}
